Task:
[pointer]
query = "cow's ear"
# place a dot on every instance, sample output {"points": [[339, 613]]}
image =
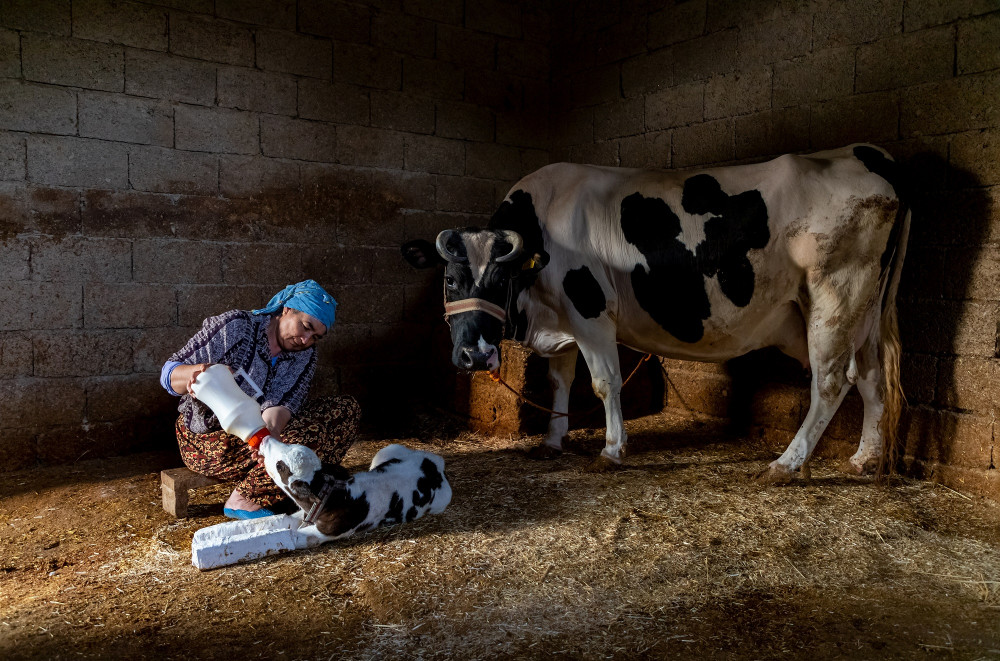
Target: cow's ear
{"points": [[421, 254], [536, 262]]}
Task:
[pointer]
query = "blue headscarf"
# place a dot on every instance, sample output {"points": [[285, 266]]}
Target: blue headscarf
{"points": [[306, 296]]}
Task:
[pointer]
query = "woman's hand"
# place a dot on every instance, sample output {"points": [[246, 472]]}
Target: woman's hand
{"points": [[193, 376]]}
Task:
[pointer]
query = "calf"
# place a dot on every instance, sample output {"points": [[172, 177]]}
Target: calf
{"points": [[400, 486]]}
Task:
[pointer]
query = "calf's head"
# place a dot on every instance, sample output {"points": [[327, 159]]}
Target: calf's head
{"points": [[480, 268]]}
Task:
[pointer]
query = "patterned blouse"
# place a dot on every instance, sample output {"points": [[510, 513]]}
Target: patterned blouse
{"points": [[239, 339]]}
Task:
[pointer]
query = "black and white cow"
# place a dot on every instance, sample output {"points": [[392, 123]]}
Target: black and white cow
{"points": [[401, 485], [802, 253]]}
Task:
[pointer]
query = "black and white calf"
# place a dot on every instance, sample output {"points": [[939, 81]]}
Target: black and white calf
{"points": [[400, 486]]}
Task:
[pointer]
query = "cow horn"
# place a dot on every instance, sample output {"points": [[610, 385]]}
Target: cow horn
{"points": [[517, 244], [442, 247]]}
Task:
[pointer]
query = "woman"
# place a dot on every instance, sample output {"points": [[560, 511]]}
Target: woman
{"points": [[270, 352]]}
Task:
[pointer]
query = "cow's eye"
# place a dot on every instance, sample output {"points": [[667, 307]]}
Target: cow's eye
{"points": [[449, 281]]}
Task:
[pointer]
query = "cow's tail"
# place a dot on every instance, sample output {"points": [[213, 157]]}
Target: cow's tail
{"points": [[890, 354]]}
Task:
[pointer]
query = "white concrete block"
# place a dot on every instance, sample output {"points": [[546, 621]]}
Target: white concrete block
{"points": [[237, 541]]}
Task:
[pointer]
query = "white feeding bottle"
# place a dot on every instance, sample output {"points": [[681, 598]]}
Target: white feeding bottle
{"points": [[237, 412]]}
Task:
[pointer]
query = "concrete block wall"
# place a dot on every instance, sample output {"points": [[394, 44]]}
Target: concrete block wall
{"points": [[161, 162], [677, 84]]}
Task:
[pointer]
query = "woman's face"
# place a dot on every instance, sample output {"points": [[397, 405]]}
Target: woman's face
{"points": [[297, 331]]}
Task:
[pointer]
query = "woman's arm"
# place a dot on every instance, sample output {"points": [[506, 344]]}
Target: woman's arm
{"points": [[184, 375], [276, 418]]}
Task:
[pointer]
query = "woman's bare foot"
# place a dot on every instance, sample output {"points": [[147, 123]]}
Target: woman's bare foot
{"points": [[238, 502]]}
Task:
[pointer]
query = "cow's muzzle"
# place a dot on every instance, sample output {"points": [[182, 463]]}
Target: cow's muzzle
{"points": [[474, 359]]}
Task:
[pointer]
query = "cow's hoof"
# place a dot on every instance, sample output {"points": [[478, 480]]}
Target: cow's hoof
{"points": [[776, 474], [601, 465], [544, 452], [868, 468]]}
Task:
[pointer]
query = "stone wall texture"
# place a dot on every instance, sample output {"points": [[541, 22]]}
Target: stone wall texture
{"points": [[166, 160]]}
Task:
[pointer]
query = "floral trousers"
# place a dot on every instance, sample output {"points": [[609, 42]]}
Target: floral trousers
{"points": [[328, 425]]}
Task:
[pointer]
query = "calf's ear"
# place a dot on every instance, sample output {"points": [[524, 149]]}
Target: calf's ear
{"points": [[421, 254]]}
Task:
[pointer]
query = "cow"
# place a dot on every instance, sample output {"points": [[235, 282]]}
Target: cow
{"points": [[400, 486], [802, 253]]}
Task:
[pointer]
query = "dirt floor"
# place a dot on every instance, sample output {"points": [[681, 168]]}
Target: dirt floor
{"points": [[679, 554]]}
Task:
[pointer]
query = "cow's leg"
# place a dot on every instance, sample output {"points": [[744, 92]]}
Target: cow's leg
{"points": [[562, 369], [865, 460], [606, 379], [830, 353]]}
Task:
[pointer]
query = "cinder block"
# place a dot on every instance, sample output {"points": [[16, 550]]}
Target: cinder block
{"points": [[967, 382], [371, 67], [464, 195], [37, 108], [126, 119], [978, 154], [858, 118], [819, 76], [65, 161], [82, 353], [128, 305], [738, 93], [426, 153], [272, 265], [72, 62], [464, 121], [344, 104], [772, 132], [174, 486], [195, 303], [918, 374], [525, 129], [598, 153], [172, 171], [51, 17], [676, 106], [69, 443], [361, 145], [918, 14], [465, 47], [524, 58], [260, 91], [784, 38], [957, 439], [433, 78], [977, 44], [649, 72], [127, 397], [370, 304], [254, 176], [153, 346], [295, 138], [26, 402], [270, 13], [10, 54], [207, 38], [495, 18], [18, 450], [403, 33], [675, 23], [618, 119], [967, 328], [701, 144], [287, 52], [339, 266], [450, 11], [487, 159], [964, 480], [216, 130], [116, 22], [404, 190], [960, 104], [41, 305], [162, 76], [598, 85], [78, 259], [704, 57], [137, 214], [855, 22], [402, 112], [343, 22], [906, 60], [15, 355]]}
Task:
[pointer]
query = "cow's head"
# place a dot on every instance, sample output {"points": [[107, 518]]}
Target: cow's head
{"points": [[481, 266]]}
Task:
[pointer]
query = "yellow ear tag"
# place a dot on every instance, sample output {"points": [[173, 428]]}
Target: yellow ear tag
{"points": [[530, 264]]}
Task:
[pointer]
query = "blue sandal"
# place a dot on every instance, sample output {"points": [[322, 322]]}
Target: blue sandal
{"points": [[246, 514]]}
